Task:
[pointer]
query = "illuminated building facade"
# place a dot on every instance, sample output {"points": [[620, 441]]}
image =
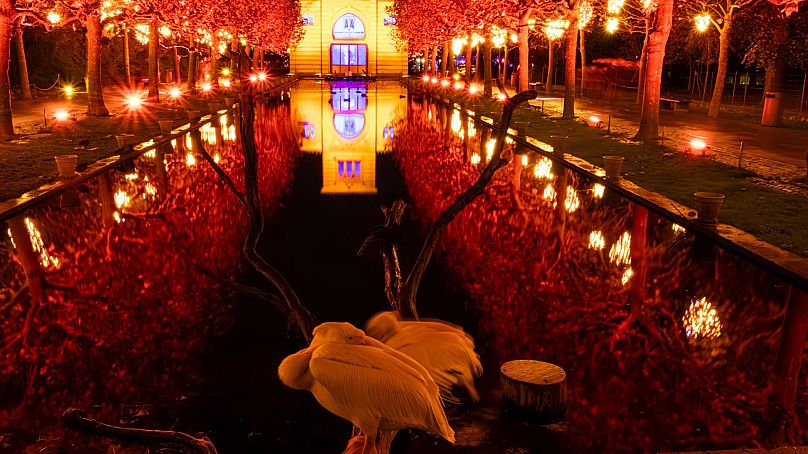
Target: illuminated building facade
{"points": [[347, 37], [348, 124]]}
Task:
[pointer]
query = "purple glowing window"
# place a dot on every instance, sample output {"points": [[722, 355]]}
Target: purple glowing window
{"points": [[349, 169]]}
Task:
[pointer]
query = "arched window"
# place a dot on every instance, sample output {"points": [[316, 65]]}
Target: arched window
{"points": [[349, 26], [349, 126]]}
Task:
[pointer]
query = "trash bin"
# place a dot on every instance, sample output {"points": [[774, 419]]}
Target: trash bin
{"points": [[772, 108]]}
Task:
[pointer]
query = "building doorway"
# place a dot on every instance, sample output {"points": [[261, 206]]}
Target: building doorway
{"points": [[349, 59]]}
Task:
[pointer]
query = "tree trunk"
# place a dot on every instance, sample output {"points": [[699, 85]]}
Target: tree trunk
{"points": [[258, 58], [25, 86], [95, 91], [452, 66], [775, 73], [6, 26], [569, 66], [524, 51], [214, 61], [177, 69], [641, 69], [659, 30], [582, 49], [126, 61], [478, 72], [548, 84], [468, 60], [487, 76], [154, 77], [444, 59], [192, 70], [721, 73]]}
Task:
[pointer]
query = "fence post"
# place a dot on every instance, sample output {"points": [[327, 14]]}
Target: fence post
{"points": [[734, 85], [802, 96], [740, 156]]}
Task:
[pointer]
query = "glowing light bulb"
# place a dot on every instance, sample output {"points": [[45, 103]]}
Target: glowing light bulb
{"points": [[54, 17], [253, 78], [262, 76], [61, 115], [612, 24], [425, 78], [175, 92], [226, 83], [69, 90], [702, 22], [225, 71], [133, 102], [207, 87], [444, 83]]}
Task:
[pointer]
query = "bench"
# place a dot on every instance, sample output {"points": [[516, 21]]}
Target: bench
{"points": [[673, 104], [535, 101]]}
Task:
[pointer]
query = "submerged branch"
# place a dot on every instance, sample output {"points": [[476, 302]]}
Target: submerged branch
{"points": [[73, 418], [410, 289]]}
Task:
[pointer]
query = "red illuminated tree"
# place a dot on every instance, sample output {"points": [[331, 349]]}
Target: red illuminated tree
{"points": [[11, 11], [659, 28]]}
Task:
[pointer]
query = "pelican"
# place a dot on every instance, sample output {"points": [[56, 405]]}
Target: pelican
{"points": [[445, 350], [358, 378]]}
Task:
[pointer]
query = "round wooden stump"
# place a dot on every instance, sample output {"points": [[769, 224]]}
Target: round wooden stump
{"points": [[534, 390]]}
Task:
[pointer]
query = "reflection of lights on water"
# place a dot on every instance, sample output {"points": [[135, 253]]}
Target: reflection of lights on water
{"points": [[524, 160], [456, 124], [189, 144], [190, 159], [152, 153], [701, 320], [544, 169], [596, 240], [226, 83], [489, 149], [600, 172], [598, 190], [131, 176], [677, 228], [549, 192], [627, 276], [458, 85], [475, 158], [208, 133], [502, 96], [229, 133], [149, 189], [47, 260], [572, 202], [122, 199], [620, 253], [216, 158], [471, 128], [117, 217], [473, 89]]}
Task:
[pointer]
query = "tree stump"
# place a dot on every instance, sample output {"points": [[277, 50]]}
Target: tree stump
{"points": [[534, 390]]}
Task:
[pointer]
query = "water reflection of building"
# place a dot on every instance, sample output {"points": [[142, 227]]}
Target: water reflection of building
{"points": [[348, 122], [347, 37]]}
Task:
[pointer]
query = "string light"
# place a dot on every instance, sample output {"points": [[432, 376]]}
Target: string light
{"points": [[585, 13], [620, 252], [555, 29]]}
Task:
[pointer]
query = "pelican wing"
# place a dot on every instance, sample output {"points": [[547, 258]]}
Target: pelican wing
{"points": [[294, 370], [372, 387]]}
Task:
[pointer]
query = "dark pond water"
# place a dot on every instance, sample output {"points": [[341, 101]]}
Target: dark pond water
{"points": [[669, 343]]}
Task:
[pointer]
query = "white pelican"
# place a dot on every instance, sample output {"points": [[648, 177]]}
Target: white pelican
{"points": [[445, 350], [358, 378]]}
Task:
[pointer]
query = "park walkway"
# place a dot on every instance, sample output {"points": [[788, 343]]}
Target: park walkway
{"points": [[776, 155]]}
